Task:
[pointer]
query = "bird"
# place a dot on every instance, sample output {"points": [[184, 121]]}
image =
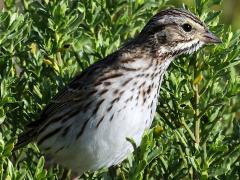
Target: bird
{"points": [[85, 126]]}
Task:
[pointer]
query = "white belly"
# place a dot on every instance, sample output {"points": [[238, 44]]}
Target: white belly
{"points": [[103, 142], [106, 145]]}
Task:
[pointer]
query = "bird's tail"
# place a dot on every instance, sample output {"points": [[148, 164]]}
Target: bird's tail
{"points": [[25, 138]]}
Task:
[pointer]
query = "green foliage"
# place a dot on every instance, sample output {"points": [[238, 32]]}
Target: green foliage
{"points": [[196, 132]]}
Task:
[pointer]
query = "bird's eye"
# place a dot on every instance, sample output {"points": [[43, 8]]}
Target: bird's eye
{"points": [[187, 27]]}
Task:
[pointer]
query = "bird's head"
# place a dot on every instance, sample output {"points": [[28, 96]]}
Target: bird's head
{"points": [[177, 31]]}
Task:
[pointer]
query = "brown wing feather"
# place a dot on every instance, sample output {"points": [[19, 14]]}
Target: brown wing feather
{"points": [[64, 99]]}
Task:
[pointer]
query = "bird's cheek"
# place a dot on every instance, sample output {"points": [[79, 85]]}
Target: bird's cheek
{"points": [[176, 37], [161, 38]]}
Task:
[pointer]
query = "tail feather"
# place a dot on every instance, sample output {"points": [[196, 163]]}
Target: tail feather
{"points": [[25, 138]]}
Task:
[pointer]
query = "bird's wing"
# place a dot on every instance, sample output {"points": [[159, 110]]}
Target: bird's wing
{"points": [[68, 101], [72, 99], [72, 96]]}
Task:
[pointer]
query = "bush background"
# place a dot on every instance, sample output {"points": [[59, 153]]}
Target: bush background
{"points": [[196, 131]]}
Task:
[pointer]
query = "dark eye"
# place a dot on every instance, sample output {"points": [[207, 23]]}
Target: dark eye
{"points": [[187, 27]]}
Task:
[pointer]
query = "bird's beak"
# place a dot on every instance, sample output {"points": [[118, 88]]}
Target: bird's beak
{"points": [[209, 38]]}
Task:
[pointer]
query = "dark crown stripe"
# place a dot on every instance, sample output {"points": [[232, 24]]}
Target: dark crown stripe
{"points": [[180, 12]]}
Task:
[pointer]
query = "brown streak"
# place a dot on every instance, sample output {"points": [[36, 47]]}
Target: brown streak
{"points": [[109, 108], [49, 135], [126, 82], [99, 122], [103, 92], [82, 129], [111, 118], [61, 148], [85, 108], [65, 131], [61, 119], [115, 91], [112, 76], [97, 107], [115, 100]]}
